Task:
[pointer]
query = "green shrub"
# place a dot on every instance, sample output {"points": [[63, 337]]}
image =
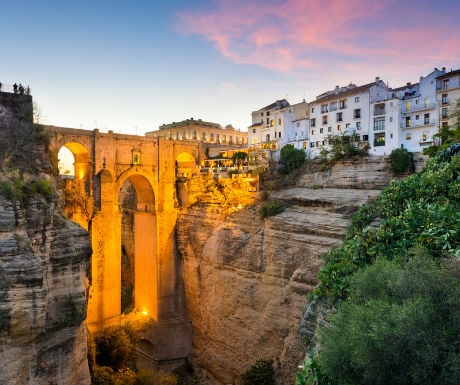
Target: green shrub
{"points": [[272, 208], [261, 373], [102, 375], [400, 325], [402, 161], [114, 348], [291, 158]]}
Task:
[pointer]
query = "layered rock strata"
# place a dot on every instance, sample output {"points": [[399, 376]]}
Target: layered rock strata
{"points": [[246, 278], [43, 265]]}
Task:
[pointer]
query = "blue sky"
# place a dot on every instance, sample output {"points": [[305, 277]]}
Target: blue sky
{"points": [[130, 66]]}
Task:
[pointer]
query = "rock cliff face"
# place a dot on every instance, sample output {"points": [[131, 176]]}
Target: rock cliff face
{"points": [[43, 265], [44, 261], [246, 279]]}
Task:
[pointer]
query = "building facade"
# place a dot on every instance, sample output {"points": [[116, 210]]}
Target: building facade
{"points": [[447, 95], [207, 132]]}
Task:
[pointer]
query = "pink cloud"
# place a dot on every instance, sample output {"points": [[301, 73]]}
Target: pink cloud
{"points": [[291, 35]]}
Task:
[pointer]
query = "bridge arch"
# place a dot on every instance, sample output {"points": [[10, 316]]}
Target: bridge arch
{"points": [[81, 159], [138, 227]]}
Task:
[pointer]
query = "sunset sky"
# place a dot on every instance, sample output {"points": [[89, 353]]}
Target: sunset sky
{"points": [[130, 66]]}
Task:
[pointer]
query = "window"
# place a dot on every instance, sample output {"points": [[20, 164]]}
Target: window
{"points": [[416, 117], [342, 104], [194, 134], [312, 144], [217, 138], [445, 99], [426, 119], [253, 130], [391, 119], [427, 102], [261, 114], [268, 113], [407, 121], [365, 138], [379, 123], [312, 110], [424, 136], [339, 127], [313, 132], [224, 138], [323, 143], [321, 130], [358, 125], [313, 122], [357, 113], [416, 101], [279, 121], [444, 113], [325, 119], [268, 121], [267, 138], [298, 124], [347, 125], [329, 129], [304, 145], [408, 105], [408, 136], [272, 123], [324, 108], [357, 99], [279, 134], [212, 137], [445, 84], [339, 117]]}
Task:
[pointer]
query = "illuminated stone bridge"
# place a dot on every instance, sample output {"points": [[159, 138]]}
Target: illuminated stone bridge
{"points": [[124, 193]]}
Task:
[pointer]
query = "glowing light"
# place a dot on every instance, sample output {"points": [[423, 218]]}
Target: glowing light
{"points": [[145, 312]]}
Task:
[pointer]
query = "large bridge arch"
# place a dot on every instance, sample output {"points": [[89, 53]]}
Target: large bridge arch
{"points": [[139, 255]]}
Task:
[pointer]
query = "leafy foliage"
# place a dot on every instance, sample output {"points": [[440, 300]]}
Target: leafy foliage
{"points": [[399, 326], [291, 158], [343, 146], [402, 161], [419, 211], [272, 208], [261, 373]]}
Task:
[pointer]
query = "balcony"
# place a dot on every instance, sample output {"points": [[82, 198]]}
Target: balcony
{"points": [[421, 123], [378, 142], [419, 107], [379, 109]]}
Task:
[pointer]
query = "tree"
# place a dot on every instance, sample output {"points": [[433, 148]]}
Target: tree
{"points": [[402, 161], [344, 146], [291, 158], [239, 158], [400, 325]]}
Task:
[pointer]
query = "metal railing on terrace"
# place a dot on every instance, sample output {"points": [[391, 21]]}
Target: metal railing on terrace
{"points": [[11, 89]]}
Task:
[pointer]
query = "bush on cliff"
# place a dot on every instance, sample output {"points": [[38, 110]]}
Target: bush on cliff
{"points": [[402, 161], [400, 325], [261, 373], [291, 158], [395, 285]]}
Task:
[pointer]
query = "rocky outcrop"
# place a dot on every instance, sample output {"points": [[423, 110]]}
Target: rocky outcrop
{"points": [[246, 278], [43, 265]]}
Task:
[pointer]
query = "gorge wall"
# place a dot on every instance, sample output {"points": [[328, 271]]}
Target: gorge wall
{"points": [[44, 260], [246, 279]]}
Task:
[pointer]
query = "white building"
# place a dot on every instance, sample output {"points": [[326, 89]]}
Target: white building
{"points": [[296, 133], [447, 94], [344, 110]]}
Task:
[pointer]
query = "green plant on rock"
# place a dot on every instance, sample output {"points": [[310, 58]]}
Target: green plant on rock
{"points": [[291, 158], [271, 208], [261, 373], [402, 161]]}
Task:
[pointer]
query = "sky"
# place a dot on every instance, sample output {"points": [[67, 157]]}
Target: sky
{"points": [[133, 65]]}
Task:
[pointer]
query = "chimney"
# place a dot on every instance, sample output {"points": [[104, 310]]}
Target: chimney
{"points": [[336, 90], [377, 79], [443, 69], [409, 84]]}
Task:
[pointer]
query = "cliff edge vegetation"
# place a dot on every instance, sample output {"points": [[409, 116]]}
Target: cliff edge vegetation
{"points": [[394, 288]]}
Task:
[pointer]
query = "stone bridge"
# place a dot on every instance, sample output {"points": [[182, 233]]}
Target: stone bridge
{"points": [[124, 193]]}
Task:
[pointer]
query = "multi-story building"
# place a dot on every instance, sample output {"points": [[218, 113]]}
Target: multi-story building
{"points": [[296, 133], [344, 110], [447, 94], [192, 129], [269, 123]]}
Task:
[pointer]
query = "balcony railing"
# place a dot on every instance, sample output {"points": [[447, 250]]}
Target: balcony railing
{"points": [[379, 111], [421, 123], [378, 143], [419, 107]]}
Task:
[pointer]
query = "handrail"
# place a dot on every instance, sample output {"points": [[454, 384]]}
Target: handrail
{"points": [[10, 89]]}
